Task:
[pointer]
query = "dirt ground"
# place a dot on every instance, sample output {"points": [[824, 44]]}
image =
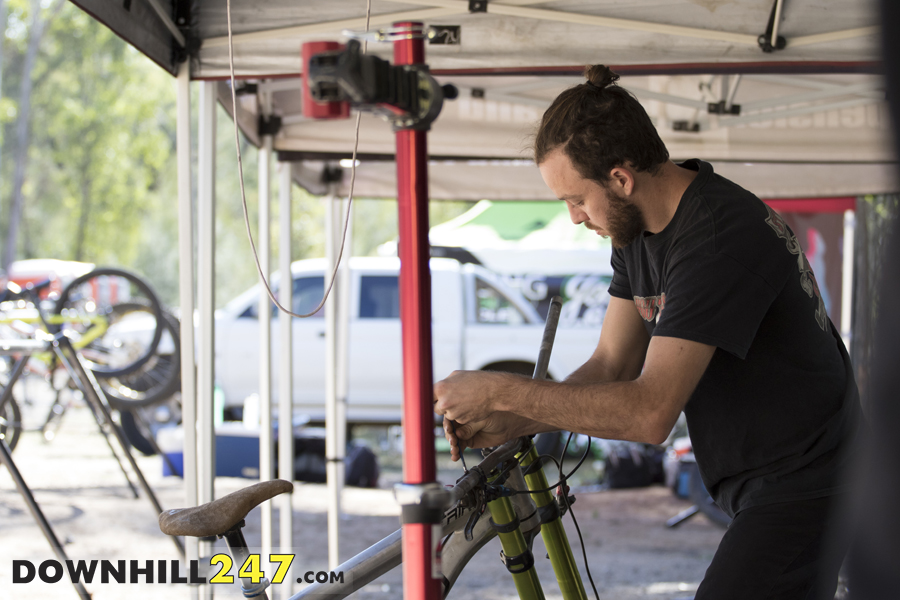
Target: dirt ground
{"points": [[630, 552]]}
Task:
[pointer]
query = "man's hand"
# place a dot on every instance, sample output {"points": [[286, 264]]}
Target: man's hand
{"points": [[498, 428], [468, 396]]}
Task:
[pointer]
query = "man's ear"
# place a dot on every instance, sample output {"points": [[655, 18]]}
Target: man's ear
{"points": [[622, 180]]}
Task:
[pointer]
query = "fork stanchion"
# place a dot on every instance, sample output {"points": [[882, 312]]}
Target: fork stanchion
{"points": [[552, 531], [516, 554], [421, 575]]}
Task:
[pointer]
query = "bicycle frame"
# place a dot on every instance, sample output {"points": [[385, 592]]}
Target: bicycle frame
{"points": [[515, 518], [99, 326]]}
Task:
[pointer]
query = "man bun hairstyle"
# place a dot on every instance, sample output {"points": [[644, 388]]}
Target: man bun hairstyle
{"points": [[600, 126], [599, 76]]}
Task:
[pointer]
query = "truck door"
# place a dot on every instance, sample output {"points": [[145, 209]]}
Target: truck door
{"points": [[375, 362], [498, 328], [376, 355], [308, 346]]}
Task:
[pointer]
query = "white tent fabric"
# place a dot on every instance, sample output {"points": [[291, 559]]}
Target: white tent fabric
{"points": [[796, 136], [510, 33], [812, 119]]}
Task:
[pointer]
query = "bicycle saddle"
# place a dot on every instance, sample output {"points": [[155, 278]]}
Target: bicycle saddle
{"points": [[218, 516]]}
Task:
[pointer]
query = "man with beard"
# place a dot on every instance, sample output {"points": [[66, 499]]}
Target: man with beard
{"points": [[714, 311]]}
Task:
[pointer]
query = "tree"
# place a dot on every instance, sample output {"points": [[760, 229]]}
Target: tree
{"points": [[39, 20]]}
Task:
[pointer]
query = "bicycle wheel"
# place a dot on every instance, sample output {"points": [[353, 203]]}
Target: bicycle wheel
{"points": [[10, 423], [160, 416], [114, 342], [154, 381]]}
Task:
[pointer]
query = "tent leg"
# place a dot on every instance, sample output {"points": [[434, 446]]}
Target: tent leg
{"points": [[285, 373], [266, 444], [206, 250], [186, 296]]}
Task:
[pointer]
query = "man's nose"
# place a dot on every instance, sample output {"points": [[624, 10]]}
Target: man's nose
{"points": [[577, 215]]}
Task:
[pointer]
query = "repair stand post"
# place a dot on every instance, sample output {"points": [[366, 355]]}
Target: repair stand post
{"points": [[419, 549]]}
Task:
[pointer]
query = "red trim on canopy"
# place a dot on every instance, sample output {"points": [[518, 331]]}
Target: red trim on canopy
{"points": [[703, 68], [812, 205]]}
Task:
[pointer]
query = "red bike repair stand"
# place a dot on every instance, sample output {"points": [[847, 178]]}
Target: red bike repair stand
{"points": [[411, 99], [420, 495]]}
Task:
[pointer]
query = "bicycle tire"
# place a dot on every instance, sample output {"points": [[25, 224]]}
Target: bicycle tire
{"points": [[70, 296], [11, 423], [155, 381], [134, 435]]}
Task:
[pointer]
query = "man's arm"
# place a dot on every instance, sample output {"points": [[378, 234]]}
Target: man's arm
{"points": [[609, 397], [622, 347]]}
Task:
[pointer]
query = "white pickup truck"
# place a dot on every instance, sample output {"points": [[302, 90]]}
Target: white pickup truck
{"points": [[478, 323]]}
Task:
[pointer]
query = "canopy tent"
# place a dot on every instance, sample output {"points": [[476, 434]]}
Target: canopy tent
{"points": [[802, 118], [806, 120], [525, 35]]}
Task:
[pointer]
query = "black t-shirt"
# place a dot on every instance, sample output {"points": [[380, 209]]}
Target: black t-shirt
{"points": [[772, 415]]}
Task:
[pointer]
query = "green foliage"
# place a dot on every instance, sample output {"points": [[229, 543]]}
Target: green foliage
{"points": [[100, 175], [101, 178]]}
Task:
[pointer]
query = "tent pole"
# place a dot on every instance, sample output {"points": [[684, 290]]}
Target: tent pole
{"points": [[206, 249], [849, 247], [419, 470], [343, 342], [186, 296], [265, 328], [333, 451], [285, 372]]}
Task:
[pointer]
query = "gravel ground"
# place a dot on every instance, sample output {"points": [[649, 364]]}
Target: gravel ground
{"points": [[81, 490]]}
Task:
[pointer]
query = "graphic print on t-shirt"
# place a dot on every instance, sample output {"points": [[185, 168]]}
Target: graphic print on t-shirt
{"points": [[807, 277], [650, 307]]}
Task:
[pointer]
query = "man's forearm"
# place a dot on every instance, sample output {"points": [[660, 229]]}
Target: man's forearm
{"points": [[613, 410], [600, 371], [526, 426]]}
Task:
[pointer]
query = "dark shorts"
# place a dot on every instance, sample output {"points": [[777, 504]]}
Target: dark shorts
{"points": [[785, 551]]}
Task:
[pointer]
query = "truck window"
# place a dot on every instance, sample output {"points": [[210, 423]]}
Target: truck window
{"points": [[307, 294], [379, 297], [493, 307]]}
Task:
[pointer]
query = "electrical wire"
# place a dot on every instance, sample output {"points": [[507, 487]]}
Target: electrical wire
{"points": [[572, 472], [237, 143], [587, 567]]}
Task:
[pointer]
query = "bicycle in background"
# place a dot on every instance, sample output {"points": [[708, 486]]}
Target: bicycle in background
{"points": [[115, 322]]}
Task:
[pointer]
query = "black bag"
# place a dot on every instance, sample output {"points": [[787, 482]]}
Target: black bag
{"points": [[627, 465], [360, 463], [361, 466]]}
